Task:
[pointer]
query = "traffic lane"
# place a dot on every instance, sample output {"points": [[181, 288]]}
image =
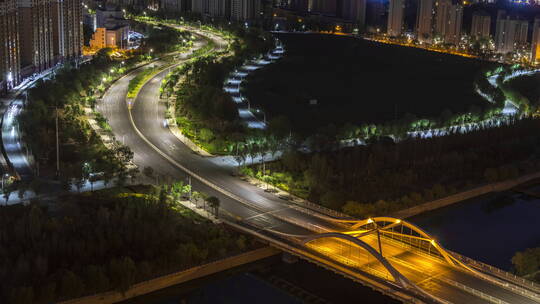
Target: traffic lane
{"points": [[464, 277], [490, 288], [149, 116], [442, 269], [11, 138], [348, 254], [114, 108]]}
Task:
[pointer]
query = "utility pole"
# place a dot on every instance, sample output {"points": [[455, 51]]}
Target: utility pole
{"points": [[189, 182], [57, 147]]}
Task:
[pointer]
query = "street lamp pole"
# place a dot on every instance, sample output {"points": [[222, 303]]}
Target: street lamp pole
{"points": [[189, 182], [57, 147]]}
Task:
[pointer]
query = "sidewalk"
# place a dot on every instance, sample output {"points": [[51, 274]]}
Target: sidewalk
{"points": [[29, 194]]}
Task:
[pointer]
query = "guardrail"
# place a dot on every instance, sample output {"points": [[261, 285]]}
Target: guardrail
{"points": [[473, 291], [365, 278], [499, 273], [496, 274]]}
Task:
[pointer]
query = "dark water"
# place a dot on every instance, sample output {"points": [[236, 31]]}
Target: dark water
{"points": [[490, 228], [256, 283], [240, 288]]}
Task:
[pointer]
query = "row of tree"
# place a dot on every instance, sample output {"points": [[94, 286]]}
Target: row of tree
{"points": [[204, 112], [527, 263], [86, 244], [67, 92], [385, 176]]}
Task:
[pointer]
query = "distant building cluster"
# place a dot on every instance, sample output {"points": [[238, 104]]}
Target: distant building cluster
{"points": [[35, 35], [236, 10], [111, 29], [437, 22]]}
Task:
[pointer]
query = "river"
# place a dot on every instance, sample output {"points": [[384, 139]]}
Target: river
{"points": [[267, 282], [490, 228]]}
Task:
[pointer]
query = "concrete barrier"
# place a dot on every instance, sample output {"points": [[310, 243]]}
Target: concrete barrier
{"points": [[465, 195], [176, 278]]}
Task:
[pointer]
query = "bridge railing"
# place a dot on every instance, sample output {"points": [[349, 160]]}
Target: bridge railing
{"points": [[497, 272], [473, 291], [410, 242], [518, 285]]}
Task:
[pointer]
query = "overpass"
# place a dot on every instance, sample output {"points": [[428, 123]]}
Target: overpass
{"points": [[401, 260]]}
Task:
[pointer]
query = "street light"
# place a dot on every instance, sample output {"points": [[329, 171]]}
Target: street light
{"points": [[4, 176]]}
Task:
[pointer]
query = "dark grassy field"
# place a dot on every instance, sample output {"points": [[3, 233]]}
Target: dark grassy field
{"points": [[360, 81]]}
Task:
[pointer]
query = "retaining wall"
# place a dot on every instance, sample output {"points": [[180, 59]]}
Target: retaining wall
{"points": [[461, 196], [176, 278]]}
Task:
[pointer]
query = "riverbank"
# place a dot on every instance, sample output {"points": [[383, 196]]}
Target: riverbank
{"points": [[267, 281], [465, 195], [176, 278], [490, 228]]}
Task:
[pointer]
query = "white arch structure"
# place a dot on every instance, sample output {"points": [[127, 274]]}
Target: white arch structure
{"points": [[398, 277], [383, 226]]}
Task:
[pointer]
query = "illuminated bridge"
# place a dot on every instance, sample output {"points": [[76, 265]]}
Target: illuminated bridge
{"points": [[400, 259]]}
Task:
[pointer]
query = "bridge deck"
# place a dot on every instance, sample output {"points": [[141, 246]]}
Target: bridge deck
{"points": [[433, 275]]}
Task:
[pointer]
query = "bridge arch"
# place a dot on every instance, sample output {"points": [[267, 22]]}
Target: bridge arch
{"points": [[398, 277], [394, 222]]}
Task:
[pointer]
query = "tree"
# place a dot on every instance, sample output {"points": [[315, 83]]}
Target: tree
{"points": [[133, 174], [123, 273], [206, 135], [22, 295], [95, 278], [148, 172], [79, 183], [92, 179], [491, 175], [21, 191], [47, 292], [121, 179], [71, 285], [527, 262], [7, 193], [36, 186], [163, 192], [214, 203], [241, 243]]}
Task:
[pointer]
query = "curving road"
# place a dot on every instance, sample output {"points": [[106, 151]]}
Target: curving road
{"points": [[142, 129]]}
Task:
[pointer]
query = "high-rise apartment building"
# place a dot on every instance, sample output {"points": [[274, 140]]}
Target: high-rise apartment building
{"points": [[219, 8], [481, 25], [9, 45], [448, 21], [244, 10], [424, 21], [325, 7], [510, 33], [36, 30], [354, 10], [67, 29], [174, 5], [395, 17], [199, 6], [535, 43]]}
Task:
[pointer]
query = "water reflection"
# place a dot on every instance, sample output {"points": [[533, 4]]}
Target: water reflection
{"points": [[490, 228]]}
